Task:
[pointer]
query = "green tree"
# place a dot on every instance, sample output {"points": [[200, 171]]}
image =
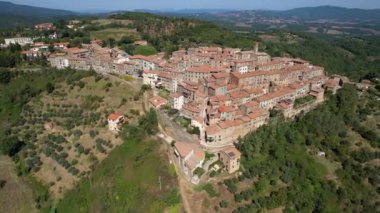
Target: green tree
{"points": [[50, 87], [5, 76]]}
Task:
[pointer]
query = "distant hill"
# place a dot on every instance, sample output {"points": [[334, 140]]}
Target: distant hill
{"points": [[13, 15], [324, 19], [334, 13]]}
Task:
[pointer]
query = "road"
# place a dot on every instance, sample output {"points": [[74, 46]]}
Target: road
{"points": [[175, 131]]}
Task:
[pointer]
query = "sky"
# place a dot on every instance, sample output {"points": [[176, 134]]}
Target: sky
{"points": [[104, 5]]}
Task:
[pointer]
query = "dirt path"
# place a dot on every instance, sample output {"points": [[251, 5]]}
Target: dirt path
{"points": [[135, 84], [185, 199]]}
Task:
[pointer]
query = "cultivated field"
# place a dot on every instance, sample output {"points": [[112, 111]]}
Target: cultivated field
{"points": [[116, 33], [101, 22], [70, 132]]}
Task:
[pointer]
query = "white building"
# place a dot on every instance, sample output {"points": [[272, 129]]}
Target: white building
{"points": [[21, 41], [115, 120], [176, 101], [150, 77], [59, 62]]}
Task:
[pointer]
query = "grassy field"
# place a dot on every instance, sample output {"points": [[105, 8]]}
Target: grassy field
{"points": [[101, 22], [127, 181], [16, 195], [116, 33]]}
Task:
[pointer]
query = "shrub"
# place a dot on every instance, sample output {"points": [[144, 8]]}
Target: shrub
{"points": [[2, 183], [199, 171], [223, 204], [210, 190]]}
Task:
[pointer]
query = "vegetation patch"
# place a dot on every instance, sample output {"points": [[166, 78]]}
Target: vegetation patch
{"points": [[299, 102], [209, 188], [128, 179]]}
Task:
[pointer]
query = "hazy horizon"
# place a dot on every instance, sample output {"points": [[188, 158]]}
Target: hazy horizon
{"points": [[109, 5]]}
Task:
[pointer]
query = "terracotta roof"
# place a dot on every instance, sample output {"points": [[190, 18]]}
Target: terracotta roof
{"points": [[297, 85], [115, 116], [151, 72], [183, 148], [257, 113], [200, 94], [272, 72], [61, 43], [282, 92], [251, 104], [199, 119], [284, 105], [223, 97], [245, 119], [238, 113], [212, 129], [195, 159], [157, 101], [239, 94], [220, 75], [191, 108], [141, 57], [254, 90], [227, 124], [231, 86], [226, 109], [204, 68], [166, 75], [176, 95]]}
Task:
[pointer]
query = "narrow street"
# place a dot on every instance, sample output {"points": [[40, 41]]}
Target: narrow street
{"points": [[183, 184]]}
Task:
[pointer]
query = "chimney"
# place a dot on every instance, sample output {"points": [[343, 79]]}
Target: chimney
{"points": [[257, 47]]}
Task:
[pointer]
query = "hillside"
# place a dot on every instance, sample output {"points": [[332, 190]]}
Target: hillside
{"points": [[13, 15]]}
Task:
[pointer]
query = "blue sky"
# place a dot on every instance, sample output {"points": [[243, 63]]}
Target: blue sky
{"points": [[78, 5]]}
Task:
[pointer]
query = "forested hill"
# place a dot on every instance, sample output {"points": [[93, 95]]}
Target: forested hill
{"points": [[335, 13], [13, 15], [335, 21]]}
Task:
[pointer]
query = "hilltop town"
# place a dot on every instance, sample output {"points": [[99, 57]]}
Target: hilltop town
{"points": [[225, 93]]}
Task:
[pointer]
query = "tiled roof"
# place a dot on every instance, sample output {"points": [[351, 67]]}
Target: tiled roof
{"points": [[282, 92], [115, 116], [157, 101], [228, 124], [257, 113], [175, 95], [226, 109], [239, 94], [210, 130], [204, 68]]}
